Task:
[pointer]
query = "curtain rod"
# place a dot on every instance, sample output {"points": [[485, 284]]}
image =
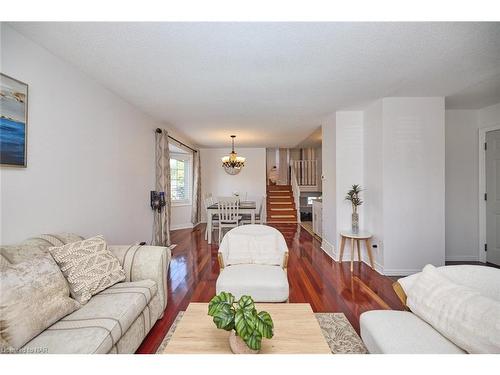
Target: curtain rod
{"points": [[158, 130]]}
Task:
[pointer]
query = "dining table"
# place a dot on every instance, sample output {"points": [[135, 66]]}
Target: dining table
{"points": [[246, 207]]}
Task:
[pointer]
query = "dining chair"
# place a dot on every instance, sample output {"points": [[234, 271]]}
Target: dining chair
{"points": [[227, 199], [259, 216], [229, 216], [208, 201]]}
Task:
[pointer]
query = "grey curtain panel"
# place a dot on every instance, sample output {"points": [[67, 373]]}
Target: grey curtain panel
{"points": [[161, 224], [196, 207]]}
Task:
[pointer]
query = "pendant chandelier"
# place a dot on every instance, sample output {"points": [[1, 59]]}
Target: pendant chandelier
{"points": [[232, 163]]}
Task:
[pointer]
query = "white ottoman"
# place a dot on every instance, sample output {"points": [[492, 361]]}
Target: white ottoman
{"points": [[262, 282]]}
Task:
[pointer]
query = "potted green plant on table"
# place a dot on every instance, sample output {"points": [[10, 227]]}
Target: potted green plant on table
{"points": [[247, 326], [353, 197]]}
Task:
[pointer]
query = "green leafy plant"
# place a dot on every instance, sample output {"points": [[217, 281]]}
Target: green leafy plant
{"points": [[353, 197], [242, 316]]}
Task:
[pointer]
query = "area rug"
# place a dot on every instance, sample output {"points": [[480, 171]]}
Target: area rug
{"points": [[339, 334]]}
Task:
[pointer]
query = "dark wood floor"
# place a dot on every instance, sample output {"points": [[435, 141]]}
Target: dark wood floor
{"points": [[314, 277]]}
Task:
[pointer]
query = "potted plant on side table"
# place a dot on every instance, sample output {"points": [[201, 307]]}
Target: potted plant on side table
{"points": [[353, 197], [247, 326]]}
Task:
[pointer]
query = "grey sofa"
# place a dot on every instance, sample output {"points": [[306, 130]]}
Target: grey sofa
{"points": [[117, 319]]}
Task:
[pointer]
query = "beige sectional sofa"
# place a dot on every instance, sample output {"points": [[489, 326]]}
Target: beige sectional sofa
{"points": [[404, 332], [115, 320]]}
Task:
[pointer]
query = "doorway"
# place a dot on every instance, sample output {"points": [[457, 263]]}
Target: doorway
{"points": [[492, 196]]}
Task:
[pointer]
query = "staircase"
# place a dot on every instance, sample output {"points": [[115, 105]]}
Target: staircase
{"points": [[280, 204]]}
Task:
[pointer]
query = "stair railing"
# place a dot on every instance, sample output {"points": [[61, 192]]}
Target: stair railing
{"points": [[306, 172], [295, 192]]}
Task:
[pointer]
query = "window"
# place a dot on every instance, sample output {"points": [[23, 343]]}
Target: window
{"points": [[180, 178], [310, 200]]}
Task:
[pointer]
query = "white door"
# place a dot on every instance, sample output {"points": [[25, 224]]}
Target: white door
{"points": [[493, 196]]}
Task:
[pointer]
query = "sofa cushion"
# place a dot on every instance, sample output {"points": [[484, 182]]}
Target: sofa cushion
{"points": [[88, 266], [262, 283], [486, 280], [467, 318], [36, 246], [58, 239], [33, 296], [99, 325], [21, 253], [401, 332]]}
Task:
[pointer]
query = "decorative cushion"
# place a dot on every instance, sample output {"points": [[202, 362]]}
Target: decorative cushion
{"points": [[485, 280], [461, 314], [33, 296], [21, 253], [88, 266], [4, 262]]}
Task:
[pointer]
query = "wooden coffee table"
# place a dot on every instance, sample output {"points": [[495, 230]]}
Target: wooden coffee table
{"points": [[296, 331]]}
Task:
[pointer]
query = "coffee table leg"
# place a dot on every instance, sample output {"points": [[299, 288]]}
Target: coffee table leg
{"points": [[342, 245], [369, 250], [358, 245]]}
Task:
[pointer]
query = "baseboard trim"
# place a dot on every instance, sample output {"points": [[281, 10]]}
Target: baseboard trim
{"points": [[182, 226], [329, 249], [462, 258], [400, 272]]}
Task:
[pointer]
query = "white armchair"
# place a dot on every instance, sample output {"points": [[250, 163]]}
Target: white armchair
{"points": [[253, 261]]}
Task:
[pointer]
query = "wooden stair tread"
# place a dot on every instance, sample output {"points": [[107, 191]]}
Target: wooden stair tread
{"points": [[281, 204]]}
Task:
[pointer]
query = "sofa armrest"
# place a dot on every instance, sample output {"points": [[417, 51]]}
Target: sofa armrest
{"points": [[145, 262], [401, 294], [285, 260]]}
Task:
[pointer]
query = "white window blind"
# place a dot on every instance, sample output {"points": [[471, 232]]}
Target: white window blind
{"points": [[181, 178]]}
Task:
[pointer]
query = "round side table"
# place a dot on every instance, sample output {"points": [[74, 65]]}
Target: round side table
{"points": [[355, 238]]}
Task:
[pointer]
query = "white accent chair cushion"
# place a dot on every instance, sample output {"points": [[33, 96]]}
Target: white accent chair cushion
{"points": [[401, 332], [253, 244], [264, 283]]}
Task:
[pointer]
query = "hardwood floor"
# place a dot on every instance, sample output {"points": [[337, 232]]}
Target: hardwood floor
{"points": [[328, 286]]}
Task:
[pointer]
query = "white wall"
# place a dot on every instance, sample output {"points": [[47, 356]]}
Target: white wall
{"points": [[349, 163], [251, 179], [371, 219], [462, 181], [90, 154], [181, 216], [489, 116], [395, 151], [462, 234], [414, 184], [329, 230]]}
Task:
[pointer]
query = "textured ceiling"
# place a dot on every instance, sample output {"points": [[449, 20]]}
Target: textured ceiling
{"points": [[273, 83]]}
